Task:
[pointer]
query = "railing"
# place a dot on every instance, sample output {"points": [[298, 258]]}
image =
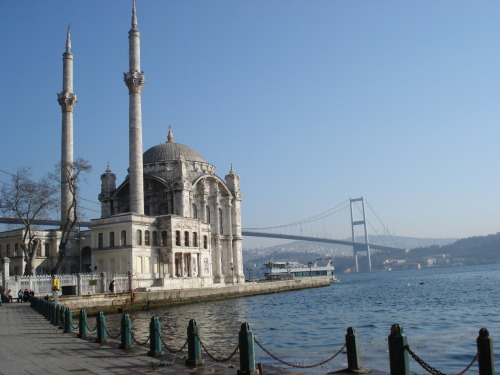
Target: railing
{"points": [[399, 349], [84, 283]]}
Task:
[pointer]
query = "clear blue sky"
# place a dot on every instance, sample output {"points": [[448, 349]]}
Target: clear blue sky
{"points": [[312, 101]]}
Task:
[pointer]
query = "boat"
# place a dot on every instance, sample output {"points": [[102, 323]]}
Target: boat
{"points": [[282, 270]]}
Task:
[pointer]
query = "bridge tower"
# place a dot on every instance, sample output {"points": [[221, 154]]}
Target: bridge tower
{"points": [[361, 246]]}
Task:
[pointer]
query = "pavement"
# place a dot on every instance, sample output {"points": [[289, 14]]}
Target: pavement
{"points": [[30, 344]]}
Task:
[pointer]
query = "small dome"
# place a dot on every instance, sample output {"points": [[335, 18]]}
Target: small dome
{"points": [[169, 151]]}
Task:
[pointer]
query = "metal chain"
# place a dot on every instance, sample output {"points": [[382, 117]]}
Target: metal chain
{"points": [[431, 369], [90, 330], [111, 336], [220, 359], [77, 326], [173, 351], [137, 342], [294, 365]]}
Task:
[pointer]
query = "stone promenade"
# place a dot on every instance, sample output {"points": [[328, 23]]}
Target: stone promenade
{"points": [[29, 344]]}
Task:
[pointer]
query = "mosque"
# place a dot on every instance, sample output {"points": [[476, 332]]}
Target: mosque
{"points": [[173, 222]]}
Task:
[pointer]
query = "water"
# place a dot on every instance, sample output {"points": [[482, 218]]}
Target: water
{"points": [[441, 311]]}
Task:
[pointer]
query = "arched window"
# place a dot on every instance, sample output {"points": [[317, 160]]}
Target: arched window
{"points": [[100, 241], [164, 238], [207, 209], [139, 237], [195, 239], [186, 238], [205, 242], [177, 238], [195, 212], [221, 222], [123, 238], [146, 238], [47, 250], [39, 249], [155, 238], [111, 239]]}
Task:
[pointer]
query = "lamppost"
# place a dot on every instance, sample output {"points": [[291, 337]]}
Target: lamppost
{"points": [[249, 273], [79, 239]]}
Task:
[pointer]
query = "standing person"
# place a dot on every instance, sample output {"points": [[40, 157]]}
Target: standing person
{"points": [[112, 286]]}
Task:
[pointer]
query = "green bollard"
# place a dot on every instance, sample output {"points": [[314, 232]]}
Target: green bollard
{"points": [[44, 308], [194, 346], [154, 337], [101, 328], [352, 347], [398, 355], [247, 351], [58, 316], [60, 323], [82, 325], [126, 335], [68, 319], [486, 359]]}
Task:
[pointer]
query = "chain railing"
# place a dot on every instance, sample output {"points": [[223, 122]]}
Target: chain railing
{"points": [[173, 351], [296, 365], [216, 359], [88, 328], [138, 342], [432, 370], [397, 341], [111, 336]]}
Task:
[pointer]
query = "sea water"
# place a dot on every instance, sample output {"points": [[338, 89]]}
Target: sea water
{"points": [[441, 311]]}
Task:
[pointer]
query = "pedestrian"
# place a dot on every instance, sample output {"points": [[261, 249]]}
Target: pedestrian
{"points": [[112, 286]]}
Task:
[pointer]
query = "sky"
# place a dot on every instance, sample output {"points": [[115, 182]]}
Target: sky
{"points": [[312, 102]]}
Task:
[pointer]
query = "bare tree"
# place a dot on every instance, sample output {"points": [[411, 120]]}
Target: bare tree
{"points": [[74, 173], [28, 201]]}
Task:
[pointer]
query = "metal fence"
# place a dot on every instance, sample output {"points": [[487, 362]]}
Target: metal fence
{"points": [[82, 283]]}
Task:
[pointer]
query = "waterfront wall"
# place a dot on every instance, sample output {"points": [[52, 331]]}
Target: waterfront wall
{"points": [[136, 300]]}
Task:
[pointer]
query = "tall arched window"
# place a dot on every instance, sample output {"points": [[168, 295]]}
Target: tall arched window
{"points": [[147, 240], [155, 238], [100, 240], [221, 222], [111, 239], [207, 209], [195, 212], [186, 238], [139, 237], [205, 242], [177, 238], [123, 238], [195, 239]]}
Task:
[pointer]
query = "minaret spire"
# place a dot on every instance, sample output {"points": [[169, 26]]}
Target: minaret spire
{"points": [[68, 40], [134, 79], [67, 100], [134, 16]]}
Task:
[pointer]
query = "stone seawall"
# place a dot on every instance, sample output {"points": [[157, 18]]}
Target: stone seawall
{"points": [[139, 300]]}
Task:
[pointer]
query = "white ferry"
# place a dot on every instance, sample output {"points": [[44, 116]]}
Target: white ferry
{"points": [[279, 270]]}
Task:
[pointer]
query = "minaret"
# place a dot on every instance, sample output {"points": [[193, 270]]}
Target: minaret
{"points": [[134, 80], [67, 99]]}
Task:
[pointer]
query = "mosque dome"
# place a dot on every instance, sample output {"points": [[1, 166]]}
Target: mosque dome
{"points": [[169, 151]]}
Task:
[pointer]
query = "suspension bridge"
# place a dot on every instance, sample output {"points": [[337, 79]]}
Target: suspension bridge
{"points": [[357, 226]]}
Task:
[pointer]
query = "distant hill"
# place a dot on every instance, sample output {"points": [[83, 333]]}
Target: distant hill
{"points": [[304, 251], [424, 251], [473, 250]]}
